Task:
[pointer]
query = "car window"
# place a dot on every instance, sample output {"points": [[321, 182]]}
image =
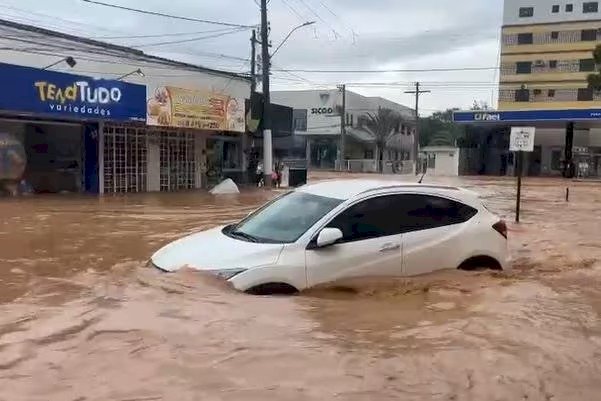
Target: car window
{"points": [[396, 214], [372, 218], [423, 212], [286, 219]]}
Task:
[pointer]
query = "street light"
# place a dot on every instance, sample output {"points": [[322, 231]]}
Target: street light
{"points": [[290, 34], [136, 72], [69, 60]]}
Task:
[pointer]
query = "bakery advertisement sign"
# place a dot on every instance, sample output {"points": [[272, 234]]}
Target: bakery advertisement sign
{"points": [[170, 106]]}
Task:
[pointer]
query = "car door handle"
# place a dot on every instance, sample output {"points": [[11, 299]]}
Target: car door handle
{"points": [[390, 247]]}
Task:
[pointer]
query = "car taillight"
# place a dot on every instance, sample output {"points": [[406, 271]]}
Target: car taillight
{"points": [[501, 228]]}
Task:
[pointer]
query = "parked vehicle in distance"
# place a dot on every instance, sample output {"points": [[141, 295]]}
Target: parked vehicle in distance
{"points": [[333, 230]]}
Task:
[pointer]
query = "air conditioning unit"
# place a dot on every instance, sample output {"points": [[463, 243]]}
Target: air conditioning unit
{"points": [[539, 63]]}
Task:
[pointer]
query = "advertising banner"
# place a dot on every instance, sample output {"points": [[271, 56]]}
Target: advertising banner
{"points": [[169, 106], [60, 95]]}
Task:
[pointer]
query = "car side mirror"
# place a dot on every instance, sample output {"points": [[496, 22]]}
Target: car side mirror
{"points": [[329, 236]]}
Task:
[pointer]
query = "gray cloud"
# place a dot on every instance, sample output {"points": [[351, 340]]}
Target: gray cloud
{"points": [[349, 34]]}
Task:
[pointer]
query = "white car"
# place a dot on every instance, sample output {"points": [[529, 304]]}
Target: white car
{"points": [[323, 232]]}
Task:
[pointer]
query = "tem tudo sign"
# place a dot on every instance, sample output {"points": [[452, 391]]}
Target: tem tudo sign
{"points": [[522, 139]]}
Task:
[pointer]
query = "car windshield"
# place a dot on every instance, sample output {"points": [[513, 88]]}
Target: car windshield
{"points": [[286, 219]]}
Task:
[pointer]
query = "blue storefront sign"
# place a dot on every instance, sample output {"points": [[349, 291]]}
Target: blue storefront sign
{"points": [[527, 116], [60, 95]]}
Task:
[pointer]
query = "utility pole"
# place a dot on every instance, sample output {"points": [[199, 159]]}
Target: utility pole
{"points": [[417, 92], [266, 59], [342, 89], [253, 62]]}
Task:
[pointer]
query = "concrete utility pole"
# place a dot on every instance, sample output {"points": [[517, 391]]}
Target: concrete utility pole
{"points": [[417, 92], [253, 62], [267, 144], [342, 89]]}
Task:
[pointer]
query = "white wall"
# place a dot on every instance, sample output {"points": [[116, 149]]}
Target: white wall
{"points": [[556, 137], [317, 123], [447, 161], [329, 124], [543, 14]]}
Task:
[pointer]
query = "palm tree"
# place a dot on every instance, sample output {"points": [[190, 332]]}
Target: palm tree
{"points": [[383, 125]]}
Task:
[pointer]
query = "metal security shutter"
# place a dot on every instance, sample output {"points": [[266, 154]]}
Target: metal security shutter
{"points": [[125, 159], [178, 165]]}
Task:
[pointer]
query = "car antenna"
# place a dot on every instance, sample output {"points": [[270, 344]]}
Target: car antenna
{"points": [[422, 178]]}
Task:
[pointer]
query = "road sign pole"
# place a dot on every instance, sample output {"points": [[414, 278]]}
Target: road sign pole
{"points": [[521, 140], [519, 163]]}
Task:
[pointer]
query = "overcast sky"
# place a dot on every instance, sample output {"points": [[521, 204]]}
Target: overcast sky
{"points": [[348, 34]]}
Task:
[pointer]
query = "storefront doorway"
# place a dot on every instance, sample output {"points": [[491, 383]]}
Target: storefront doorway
{"points": [[178, 161]]}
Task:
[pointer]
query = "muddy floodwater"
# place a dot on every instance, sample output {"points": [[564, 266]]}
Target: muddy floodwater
{"points": [[82, 317]]}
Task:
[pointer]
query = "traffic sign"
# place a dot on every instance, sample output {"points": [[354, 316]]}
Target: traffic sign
{"points": [[522, 139]]}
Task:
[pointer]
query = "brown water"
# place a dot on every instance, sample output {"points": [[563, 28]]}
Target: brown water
{"points": [[81, 318]]}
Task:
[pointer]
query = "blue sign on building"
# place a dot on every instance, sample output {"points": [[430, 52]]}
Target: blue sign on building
{"points": [[61, 95], [487, 116]]}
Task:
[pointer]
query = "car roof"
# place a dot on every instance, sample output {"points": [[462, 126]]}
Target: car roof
{"points": [[351, 188]]}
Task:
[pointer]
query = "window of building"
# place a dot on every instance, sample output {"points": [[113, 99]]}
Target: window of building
{"points": [[569, 8], [526, 12], [368, 154], [585, 94], [300, 119], [590, 7], [552, 64], [524, 67], [587, 65], [554, 35], [537, 92], [588, 35], [551, 93], [556, 160], [555, 9], [525, 39], [522, 95]]}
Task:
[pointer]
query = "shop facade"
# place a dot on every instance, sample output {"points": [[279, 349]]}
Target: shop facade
{"points": [[55, 118], [81, 134], [176, 125]]}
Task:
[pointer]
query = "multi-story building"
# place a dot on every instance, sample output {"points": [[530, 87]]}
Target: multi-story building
{"points": [[546, 54]]}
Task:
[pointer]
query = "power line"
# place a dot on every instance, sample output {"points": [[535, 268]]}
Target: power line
{"points": [[173, 42], [294, 11], [161, 35], [159, 14], [318, 71], [336, 34]]}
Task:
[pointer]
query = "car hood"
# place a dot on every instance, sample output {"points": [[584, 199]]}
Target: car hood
{"points": [[212, 250]]}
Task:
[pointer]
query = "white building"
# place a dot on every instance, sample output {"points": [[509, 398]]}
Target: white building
{"points": [[317, 118]]}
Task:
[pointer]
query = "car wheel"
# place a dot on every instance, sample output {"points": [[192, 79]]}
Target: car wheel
{"points": [[480, 263], [272, 289]]}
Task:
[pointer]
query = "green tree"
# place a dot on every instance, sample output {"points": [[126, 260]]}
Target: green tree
{"points": [[383, 125], [439, 129]]}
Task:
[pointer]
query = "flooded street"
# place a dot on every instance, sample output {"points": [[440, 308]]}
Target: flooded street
{"points": [[83, 318]]}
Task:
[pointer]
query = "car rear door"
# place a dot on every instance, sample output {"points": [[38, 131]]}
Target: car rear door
{"points": [[371, 244], [434, 233]]}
